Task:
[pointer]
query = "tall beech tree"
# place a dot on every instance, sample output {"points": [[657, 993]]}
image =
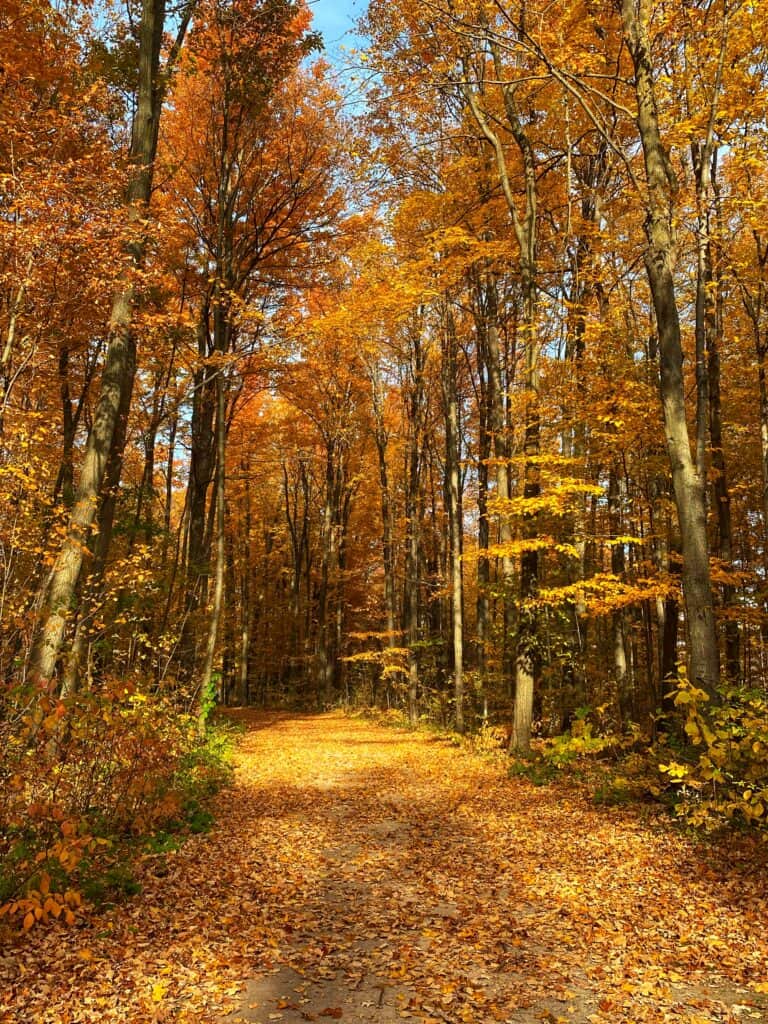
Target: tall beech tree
{"points": [[106, 436], [687, 478]]}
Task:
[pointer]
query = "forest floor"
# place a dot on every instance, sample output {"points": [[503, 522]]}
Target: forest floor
{"points": [[362, 873]]}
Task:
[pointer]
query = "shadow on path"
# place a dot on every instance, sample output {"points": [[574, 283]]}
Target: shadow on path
{"points": [[364, 874]]}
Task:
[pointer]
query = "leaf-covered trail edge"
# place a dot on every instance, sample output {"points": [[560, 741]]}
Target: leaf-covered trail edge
{"points": [[346, 849]]}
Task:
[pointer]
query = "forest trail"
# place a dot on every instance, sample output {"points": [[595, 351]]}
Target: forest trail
{"points": [[363, 874]]}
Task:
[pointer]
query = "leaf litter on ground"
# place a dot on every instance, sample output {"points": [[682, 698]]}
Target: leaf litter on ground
{"points": [[358, 872]]}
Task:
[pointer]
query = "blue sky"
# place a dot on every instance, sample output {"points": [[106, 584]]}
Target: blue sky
{"points": [[336, 19]]}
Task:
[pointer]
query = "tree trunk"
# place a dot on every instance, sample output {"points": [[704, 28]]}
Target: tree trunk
{"points": [[117, 378], [618, 568], [703, 654], [453, 494], [528, 658], [525, 227], [246, 609], [204, 689], [411, 591], [484, 442], [721, 493], [327, 556], [7, 376], [168, 503], [201, 470], [387, 517]]}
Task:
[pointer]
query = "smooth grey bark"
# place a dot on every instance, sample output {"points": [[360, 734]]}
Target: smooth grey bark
{"points": [[495, 372], [497, 422], [708, 334], [222, 343], [381, 438], [206, 674], [592, 173], [483, 543], [618, 567], [100, 541], [721, 497], [245, 609], [60, 592], [173, 427], [339, 665], [330, 614], [666, 557], [527, 660], [7, 375], [328, 540], [703, 653], [71, 414], [202, 463], [144, 516], [754, 297], [298, 497], [454, 504], [484, 444], [525, 227], [411, 590]]}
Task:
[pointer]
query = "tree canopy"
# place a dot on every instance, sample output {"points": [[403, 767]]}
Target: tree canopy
{"points": [[449, 399]]}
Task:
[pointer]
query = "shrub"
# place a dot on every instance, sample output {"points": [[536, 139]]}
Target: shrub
{"points": [[82, 777], [720, 773]]}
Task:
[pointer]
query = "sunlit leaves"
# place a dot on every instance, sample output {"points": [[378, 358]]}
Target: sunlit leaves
{"points": [[351, 854]]}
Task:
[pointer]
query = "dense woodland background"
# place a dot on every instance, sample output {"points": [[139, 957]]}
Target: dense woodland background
{"points": [[439, 388]]}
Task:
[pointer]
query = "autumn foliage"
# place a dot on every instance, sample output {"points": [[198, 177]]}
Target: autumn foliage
{"points": [[356, 865], [440, 389]]}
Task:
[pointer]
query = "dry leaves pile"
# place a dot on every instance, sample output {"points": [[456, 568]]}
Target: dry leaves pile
{"points": [[348, 851]]}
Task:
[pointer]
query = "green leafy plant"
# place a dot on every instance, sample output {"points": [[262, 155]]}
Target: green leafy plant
{"points": [[720, 773], [85, 781]]}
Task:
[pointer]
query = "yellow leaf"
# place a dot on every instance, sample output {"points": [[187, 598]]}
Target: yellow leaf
{"points": [[158, 992], [52, 907]]}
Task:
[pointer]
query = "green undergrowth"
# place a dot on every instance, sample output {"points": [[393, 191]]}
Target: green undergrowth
{"points": [[92, 787], [707, 763]]}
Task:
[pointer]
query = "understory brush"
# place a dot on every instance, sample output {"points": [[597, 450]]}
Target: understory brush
{"points": [[708, 762], [86, 781], [611, 765], [717, 769]]}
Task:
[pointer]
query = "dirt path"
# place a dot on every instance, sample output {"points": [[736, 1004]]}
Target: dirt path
{"points": [[364, 874]]}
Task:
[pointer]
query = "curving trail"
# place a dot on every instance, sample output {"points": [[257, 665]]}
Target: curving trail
{"points": [[365, 874]]}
